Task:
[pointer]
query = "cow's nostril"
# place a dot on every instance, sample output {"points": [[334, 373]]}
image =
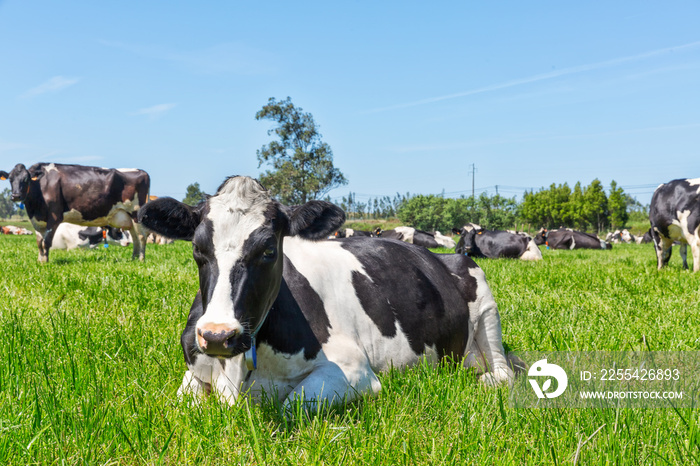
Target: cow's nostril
{"points": [[217, 337]]}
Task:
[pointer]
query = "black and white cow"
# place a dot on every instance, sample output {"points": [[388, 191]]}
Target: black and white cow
{"points": [[280, 312], [90, 196], [349, 233], [419, 237], [494, 244], [675, 216], [69, 236], [567, 238]]}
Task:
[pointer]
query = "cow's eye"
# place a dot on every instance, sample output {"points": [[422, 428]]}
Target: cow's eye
{"points": [[270, 253]]}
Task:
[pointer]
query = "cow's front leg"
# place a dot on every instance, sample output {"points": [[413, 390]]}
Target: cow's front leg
{"points": [[138, 235], [334, 383], [663, 247], [209, 375], [45, 241], [43, 253], [695, 249], [683, 250]]}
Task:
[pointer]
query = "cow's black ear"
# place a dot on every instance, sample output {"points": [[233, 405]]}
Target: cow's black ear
{"points": [[314, 220], [456, 231], [35, 174], [170, 218], [4, 175]]}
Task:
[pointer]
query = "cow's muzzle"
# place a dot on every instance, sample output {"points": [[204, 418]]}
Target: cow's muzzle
{"points": [[16, 197], [221, 340]]}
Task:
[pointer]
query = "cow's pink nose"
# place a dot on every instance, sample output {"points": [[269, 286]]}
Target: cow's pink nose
{"points": [[217, 339]]}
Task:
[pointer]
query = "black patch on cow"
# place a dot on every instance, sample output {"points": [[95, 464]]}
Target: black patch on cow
{"points": [[188, 337], [390, 234], [203, 253], [314, 220], [171, 218], [297, 320], [425, 239], [423, 298]]}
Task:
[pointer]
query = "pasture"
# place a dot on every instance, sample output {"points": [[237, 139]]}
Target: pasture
{"points": [[90, 363]]}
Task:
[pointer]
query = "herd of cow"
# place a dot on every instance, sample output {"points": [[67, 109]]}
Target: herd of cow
{"points": [[282, 311]]}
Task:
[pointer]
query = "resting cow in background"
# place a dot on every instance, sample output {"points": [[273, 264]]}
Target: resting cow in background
{"points": [[90, 196], [419, 237], [281, 312], [570, 239], [675, 216], [69, 236], [155, 238], [494, 244], [13, 230], [349, 233]]}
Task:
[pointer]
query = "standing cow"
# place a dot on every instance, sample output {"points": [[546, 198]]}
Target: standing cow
{"points": [[494, 244], [90, 196], [281, 312], [675, 216]]}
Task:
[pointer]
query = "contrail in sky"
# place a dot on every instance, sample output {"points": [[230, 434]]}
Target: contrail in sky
{"points": [[542, 77]]}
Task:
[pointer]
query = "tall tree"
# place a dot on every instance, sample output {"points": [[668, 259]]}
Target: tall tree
{"points": [[596, 205], [7, 207], [302, 164], [194, 195], [617, 205]]}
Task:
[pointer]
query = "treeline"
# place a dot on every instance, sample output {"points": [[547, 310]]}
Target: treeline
{"points": [[438, 213], [586, 208], [378, 207]]}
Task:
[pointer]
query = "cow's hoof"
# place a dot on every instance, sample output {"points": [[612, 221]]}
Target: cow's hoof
{"points": [[497, 377]]}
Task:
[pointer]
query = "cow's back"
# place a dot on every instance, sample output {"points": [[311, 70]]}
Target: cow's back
{"points": [[496, 244], [403, 299]]}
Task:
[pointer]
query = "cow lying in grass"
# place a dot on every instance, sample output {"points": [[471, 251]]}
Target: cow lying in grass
{"points": [[281, 312]]}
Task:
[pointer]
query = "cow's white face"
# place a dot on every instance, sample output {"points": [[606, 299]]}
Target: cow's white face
{"points": [[238, 248], [237, 244]]}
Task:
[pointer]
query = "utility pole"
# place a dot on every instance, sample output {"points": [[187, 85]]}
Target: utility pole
{"points": [[473, 173]]}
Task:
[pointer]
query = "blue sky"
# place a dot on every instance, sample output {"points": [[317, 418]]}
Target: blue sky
{"points": [[407, 94]]}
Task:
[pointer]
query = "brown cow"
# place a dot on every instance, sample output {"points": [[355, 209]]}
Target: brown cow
{"points": [[53, 193]]}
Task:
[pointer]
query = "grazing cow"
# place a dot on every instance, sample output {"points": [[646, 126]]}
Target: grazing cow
{"points": [[419, 237], [675, 216], [279, 312], [566, 238], [90, 196], [69, 236], [495, 244]]}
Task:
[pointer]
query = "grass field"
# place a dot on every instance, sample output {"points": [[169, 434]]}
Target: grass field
{"points": [[90, 363]]}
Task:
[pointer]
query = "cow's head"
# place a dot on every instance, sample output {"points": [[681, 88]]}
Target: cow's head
{"points": [[20, 180], [467, 240], [237, 244], [541, 236]]}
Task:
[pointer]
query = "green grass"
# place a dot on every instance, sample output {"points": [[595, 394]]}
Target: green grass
{"points": [[90, 363]]}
